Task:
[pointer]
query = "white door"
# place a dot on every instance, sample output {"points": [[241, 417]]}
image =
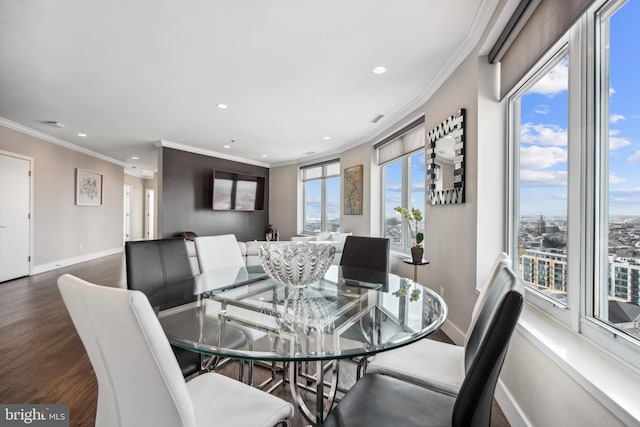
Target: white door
{"points": [[126, 229], [149, 207], [15, 205]]}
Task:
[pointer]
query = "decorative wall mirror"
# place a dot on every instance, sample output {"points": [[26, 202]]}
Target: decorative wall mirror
{"points": [[445, 151]]}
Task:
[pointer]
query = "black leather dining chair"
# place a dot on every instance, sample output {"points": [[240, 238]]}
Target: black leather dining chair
{"points": [[381, 400], [160, 269], [371, 253]]}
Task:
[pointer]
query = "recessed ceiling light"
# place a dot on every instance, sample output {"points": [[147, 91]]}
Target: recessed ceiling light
{"points": [[226, 146], [222, 106], [264, 155], [134, 158], [326, 137], [84, 135], [54, 124], [379, 70]]}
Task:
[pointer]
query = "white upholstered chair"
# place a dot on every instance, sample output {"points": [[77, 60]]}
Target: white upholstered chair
{"points": [[222, 252], [431, 363], [139, 380], [218, 252]]}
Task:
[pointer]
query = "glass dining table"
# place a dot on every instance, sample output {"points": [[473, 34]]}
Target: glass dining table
{"points": [[349, 313]]}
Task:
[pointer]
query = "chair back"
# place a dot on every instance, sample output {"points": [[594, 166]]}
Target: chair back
{"points": [[218, 252], [371, 253], [139, 380], [159, 269], [502, 261], [486, 350]]}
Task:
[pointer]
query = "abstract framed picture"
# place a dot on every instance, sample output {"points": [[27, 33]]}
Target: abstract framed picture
{"points": [[88, 188], [353, 190]]}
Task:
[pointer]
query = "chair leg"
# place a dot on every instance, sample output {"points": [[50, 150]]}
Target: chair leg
{"points": [[362, 367]]}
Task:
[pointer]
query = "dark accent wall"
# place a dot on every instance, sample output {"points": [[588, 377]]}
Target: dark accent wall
{"points": [[187, 192]]}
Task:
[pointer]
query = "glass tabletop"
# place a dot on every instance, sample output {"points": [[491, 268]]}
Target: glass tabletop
{"points": [[349, 312]]}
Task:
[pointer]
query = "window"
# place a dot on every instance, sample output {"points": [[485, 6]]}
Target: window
{"points": [[321, 209], [617, 253], [402, 157], [540, 117], [574, 130]]}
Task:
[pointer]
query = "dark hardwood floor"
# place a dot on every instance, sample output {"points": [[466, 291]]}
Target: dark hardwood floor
{"points": [[42, 358]]}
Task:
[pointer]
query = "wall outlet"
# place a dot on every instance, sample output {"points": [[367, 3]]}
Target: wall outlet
{"points": [[441, 291]]}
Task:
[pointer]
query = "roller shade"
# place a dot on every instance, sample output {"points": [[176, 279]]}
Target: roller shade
{"points": [[534, 28]]}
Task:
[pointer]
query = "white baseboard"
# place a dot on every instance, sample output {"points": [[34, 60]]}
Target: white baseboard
{"points": [[453, 332], [37, 269], [509, 406]]}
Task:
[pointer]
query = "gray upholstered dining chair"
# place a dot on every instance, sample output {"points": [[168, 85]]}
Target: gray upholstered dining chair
{"points": [[161, 270], [382, 400], [434, 363], [139, 380]]}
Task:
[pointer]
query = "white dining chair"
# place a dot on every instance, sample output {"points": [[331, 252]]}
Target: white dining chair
{"points": [[222, 253], [433, 363], [218, 252], [139, 380]]}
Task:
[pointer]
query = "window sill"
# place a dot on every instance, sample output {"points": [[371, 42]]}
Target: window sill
{"points": [[612, 382]]}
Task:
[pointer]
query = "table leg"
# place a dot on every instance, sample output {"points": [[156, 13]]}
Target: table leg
{"points": [[322, 408]]}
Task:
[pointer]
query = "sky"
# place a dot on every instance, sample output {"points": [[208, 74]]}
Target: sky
{"points": [[543, 128]]}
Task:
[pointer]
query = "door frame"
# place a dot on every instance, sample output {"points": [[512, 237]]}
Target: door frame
{"points": [[31, 192]]}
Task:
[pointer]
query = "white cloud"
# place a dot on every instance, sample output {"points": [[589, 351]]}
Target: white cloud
{"points": [[543, 134], [615, 118], [626, 196], [393, 187], [418, 186], [541, 109], [536, 178], [554, 82], [616, 141], [612, 91], [614, 179], [535, 157], [635, 158]]}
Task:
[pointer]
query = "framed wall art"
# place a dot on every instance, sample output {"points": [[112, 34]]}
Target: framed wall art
{"points": [[353, 190], [88, 188]]}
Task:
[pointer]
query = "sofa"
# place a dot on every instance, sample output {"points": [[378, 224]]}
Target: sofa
{"points": [[250, 250]]}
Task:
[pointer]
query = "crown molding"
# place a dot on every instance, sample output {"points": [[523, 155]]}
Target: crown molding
{"points": [[55, 140], [416, 106], [210, 153]]}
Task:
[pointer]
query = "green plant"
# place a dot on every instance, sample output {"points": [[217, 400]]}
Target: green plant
{"points": [[413, 217]]}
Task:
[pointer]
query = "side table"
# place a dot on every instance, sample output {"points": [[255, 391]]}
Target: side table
{"points": [[415, 266]]}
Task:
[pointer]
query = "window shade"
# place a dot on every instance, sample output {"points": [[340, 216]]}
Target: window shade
{"points": [[408, 139], [546, 25], [321, 170]]}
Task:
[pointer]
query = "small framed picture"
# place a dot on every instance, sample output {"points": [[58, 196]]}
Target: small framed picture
{"points": [[88, 188]]}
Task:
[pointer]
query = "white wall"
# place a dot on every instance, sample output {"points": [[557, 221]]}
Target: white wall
{"points": [[63, 232], [283, 200]]}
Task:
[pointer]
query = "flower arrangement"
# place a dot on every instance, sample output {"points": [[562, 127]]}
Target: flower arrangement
{"points": [[413, 217]]}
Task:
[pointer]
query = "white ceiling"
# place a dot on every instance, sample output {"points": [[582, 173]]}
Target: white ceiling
{"points": [[130, 73]]}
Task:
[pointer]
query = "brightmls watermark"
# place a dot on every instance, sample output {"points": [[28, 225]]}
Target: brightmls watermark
{"points": [[47, 415]]}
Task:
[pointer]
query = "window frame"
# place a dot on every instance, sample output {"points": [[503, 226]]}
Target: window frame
{"points": [[587, 185]]}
